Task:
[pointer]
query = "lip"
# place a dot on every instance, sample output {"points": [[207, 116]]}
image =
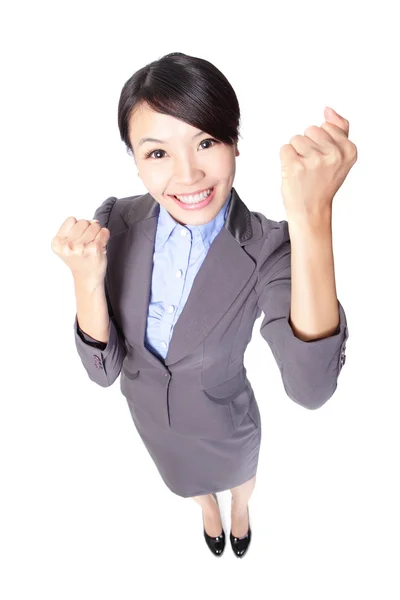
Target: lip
{"points": [[193, 193], [199, 205]]}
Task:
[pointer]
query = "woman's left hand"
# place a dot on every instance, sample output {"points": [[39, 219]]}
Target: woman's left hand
{"points": [[315, 165]]}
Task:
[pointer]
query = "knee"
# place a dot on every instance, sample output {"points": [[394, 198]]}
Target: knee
{"points": [[204, 501], [245, 489]]}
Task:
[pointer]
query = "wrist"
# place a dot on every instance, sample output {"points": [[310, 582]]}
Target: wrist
{"points": [[310, 224], [87, 285]]}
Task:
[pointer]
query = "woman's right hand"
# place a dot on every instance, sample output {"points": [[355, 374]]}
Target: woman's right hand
{"points": [[82, 246]]}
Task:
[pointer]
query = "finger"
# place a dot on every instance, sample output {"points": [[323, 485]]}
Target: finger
{"points": [[86, 234], [103, 236], [66, 227], [333, 118], [288, 156], [319, 136], [99, 241], [338, 135], [100, 235], [304, 146]]}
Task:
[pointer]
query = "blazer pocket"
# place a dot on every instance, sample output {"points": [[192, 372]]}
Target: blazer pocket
{"points": [[227, 391], [129, 374]]}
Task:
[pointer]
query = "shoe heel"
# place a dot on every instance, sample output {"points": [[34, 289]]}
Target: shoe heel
{"points": [[241, 545], [215, 544]]}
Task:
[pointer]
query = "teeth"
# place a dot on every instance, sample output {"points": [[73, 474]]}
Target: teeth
{"points": [[196, 198]]}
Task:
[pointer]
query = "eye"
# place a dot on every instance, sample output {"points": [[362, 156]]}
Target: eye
{"points": [[148, 155], [208, 141]]}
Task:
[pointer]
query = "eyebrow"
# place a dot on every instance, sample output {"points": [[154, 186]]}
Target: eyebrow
{"points": [[149, 139]]}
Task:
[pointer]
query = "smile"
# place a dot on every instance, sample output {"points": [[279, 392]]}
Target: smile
{"points": [[195, 201], [193, 198]]}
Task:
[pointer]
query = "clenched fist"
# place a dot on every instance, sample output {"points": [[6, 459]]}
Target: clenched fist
{"points": [[82, 246]]}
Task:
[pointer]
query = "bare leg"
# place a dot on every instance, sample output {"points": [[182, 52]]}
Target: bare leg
{"points": [[211, 514], [240, 498]]}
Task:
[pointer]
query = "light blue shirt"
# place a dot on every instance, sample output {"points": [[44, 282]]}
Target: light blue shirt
{"points": [[179, 252]]}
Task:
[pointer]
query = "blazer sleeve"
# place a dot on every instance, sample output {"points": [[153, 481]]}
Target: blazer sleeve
{"points": [[309, 369], [102, 361]]}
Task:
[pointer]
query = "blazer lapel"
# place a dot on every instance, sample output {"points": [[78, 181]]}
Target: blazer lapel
{"points": [[223, 274]]}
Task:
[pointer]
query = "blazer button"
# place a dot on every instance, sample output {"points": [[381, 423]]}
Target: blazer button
{"points": [[97, 362]]}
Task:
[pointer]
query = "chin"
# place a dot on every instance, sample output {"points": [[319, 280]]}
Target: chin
{"points": [[200, 217]]}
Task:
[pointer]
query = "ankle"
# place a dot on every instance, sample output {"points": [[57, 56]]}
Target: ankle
{"points": [[210, 507]]}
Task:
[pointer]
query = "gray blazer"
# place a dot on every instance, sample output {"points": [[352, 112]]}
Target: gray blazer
{"points": [[201, 388]]}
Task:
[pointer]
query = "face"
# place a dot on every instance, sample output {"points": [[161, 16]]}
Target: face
{"points": [[186, 161]]}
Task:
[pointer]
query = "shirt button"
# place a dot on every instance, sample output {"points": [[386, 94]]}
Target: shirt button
{"points": [[170, 308], [179, 273], [183, 231], [163, 344]]}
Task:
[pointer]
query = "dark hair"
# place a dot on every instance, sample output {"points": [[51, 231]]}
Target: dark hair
{"points": [[188, 88]]}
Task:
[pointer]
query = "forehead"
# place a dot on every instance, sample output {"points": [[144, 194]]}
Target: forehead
{"points": [[145, 122]]}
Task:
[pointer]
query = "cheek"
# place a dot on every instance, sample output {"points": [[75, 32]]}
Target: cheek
{"points": [[155, 177], [224, 164]]}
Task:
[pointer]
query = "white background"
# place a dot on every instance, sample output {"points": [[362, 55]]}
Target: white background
{"points": [[84, 512]]}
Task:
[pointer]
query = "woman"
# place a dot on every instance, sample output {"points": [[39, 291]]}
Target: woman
{"points": [[169, 284]]}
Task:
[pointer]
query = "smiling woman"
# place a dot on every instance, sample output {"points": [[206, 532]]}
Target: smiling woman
{"points": [[179, 118], [189, 270]]}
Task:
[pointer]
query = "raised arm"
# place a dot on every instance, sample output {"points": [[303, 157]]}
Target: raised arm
{"points": [[309, 367]]}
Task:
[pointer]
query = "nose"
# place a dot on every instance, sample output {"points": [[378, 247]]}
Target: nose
{"points": [[187, 172]]}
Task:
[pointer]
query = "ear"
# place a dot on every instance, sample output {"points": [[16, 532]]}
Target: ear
{"points": [[237, 153]]}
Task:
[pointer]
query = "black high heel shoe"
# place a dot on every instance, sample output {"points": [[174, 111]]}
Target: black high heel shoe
{"points": [[216, 544], [240, 545]]}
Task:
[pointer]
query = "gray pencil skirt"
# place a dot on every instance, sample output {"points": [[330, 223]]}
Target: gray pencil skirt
{"points": [[195, 466]]}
